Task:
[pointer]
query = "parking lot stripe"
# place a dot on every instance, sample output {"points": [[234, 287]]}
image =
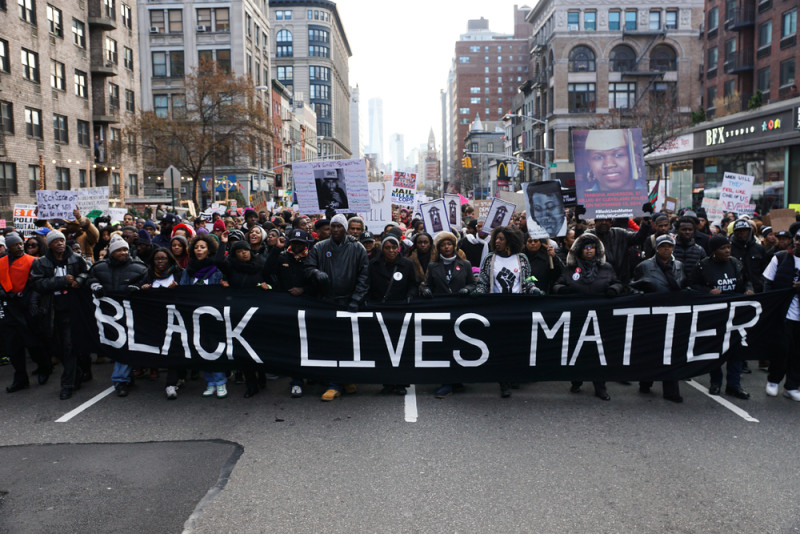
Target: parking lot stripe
{"points": [[411, 405], [729, 405], [97, 398]]}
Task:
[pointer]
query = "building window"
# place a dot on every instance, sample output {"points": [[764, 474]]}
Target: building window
{"points": [[713, 59], [622, 59], [663, 58], [614, 19], [79, 33], [115, 183], [765, 34], [62, 179], [590, 21], [283, 42], [711, 95], [33, 123], [762, 81], [83, 133], [463, 59], [581, 97], [475, 90], [787, 73], [621, 95], [489, 146], [55, 21], [287, 73], [573, 20], [133, 185], [128, 58], [655, 20], [161, 106], [475, 100], [671, 22], [82, 178], [323, 111], [319, 92], [224, 59], [464, 111], [127, 16], [222, 19], [319, 73], [113, 96], [30, 65], [27, 10], [168, 64], [112, 55], [175, 17], [581, 59], [7, 118], [789, 23], [319, 51], [630, 20], [157, 20], [80, 84], [322, 36], [33, 178], [110, 8], [285, 14], [8, 178], [713, 18], [664, 93], [178, 106], [58, 79], [728, 88], [5, 64]]}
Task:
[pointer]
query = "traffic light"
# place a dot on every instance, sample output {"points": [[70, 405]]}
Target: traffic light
{"points": [[521, 166], [466, 162]]}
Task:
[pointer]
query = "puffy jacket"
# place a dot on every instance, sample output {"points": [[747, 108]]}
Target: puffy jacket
{"points": [[347, 268], [689, 255], [649, 276], [753, 257], [384, 285], [574, 278], [118, 277], [46, 284], [461, 277], [616, 243]]}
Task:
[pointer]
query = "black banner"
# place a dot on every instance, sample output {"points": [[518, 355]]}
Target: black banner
{"points": [[443, 340]]}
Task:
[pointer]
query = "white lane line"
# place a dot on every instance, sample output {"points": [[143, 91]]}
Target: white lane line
{"points": [[97, 398], [729, 405], [411, 405]]}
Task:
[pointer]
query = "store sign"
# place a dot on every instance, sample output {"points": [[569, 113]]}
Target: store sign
{"points": [[683, 143], [797, 118], [749, 131]]}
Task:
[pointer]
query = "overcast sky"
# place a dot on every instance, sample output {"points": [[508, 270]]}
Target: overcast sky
{"points": [[402, 52]]}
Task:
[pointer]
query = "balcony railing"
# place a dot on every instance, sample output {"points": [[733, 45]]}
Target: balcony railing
{"points": [[740, 17], [741, 61]]}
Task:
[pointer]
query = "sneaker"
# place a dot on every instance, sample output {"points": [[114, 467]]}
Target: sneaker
{"points": [[271, 376], [210, 390], [297, 392], [122, 389], [350, 389], [793, 394], [772, 389], [222, 391], [444, 392], [172, 392], [330, 394]]}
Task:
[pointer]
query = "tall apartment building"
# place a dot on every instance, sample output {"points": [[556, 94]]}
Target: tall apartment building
{"points": [[590, 59], [397, 151], [175, 35], [311, 58], [375, 113], [69, 77], [487, 70]]}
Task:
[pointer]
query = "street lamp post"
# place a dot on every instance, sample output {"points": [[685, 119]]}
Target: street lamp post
{"points": [[545, 122]]}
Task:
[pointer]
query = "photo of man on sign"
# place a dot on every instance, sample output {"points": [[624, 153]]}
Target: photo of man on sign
{"points": [[609, 172]]}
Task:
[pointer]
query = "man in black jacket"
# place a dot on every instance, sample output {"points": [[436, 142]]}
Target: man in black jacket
{"points": [[718, 274], [55, 275], [687, 251], [118, 275], [617, 241], [746, 249]]}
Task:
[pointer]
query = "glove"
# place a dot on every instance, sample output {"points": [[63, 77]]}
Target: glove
{"points": [[647, 207], [426, 293], [131, 289], [536, 292], [353, 306], [463, 292], [579, 209], [97, 289], [322, 278], [611, 291]]}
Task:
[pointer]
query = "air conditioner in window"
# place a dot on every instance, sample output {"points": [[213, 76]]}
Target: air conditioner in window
{"points": [[203, 28], [573, 27], [155, 29]]}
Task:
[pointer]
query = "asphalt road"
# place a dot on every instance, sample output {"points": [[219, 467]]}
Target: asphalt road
{"points": [[544, 460]]}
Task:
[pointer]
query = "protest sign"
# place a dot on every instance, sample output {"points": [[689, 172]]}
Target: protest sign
{"points": [[780, 219], [55, 204], [545, 209], [514, 198], [713, 210], [570, 197], [93, 199], [490, 338], [453, 203], [481, 208], [380, 212], [735, 194], [434, 216], [670, 204], [609, 172], [259, 201], [24, 215], [2, 223], [500, 213], [404, 188], [117, 214], [338, 185]]}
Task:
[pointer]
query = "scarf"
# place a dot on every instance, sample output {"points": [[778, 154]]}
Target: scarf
{"points": [[590, 269], [164, 274], [424, 260], [300, 256], [201, 269], [247, 267], [449, 260], [666, 268]]}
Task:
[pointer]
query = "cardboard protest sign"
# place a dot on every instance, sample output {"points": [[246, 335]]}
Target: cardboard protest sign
{"points": [[93, 201], [735, 194], [453, 204], [609, 172], [24, 215], [780, 219], [481, 208], [500, 213], [259, 201], [545, 208], [670, 204], [55, 204], [380, 212], [338, 185], [404, 188], [434, 215]]}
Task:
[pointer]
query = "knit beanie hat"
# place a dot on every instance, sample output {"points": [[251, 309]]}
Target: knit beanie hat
{"points": [[716, 241], [219, 226], [142, 237], [339, 219], [116, 243], [12, 239], [52, 236]]}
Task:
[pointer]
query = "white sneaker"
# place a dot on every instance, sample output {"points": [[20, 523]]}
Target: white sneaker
{"points": [[172, 392], [210, 390], [297, 392], [793, 394], [222, 391], [772, 389]]}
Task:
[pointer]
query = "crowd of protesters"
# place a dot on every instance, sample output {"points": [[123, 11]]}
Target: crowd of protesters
{"points": [[342, 261]]}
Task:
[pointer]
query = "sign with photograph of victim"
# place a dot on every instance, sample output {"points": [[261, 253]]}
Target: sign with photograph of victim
{"points": [[500, 213], [338, 185], [404, 188]]}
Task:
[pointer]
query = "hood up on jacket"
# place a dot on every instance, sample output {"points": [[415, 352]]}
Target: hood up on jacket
{"points": [[749, 224], [577, 246]]}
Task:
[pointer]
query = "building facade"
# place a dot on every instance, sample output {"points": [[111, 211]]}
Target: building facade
{"points": [[355, 123], [483, 138], [375, 114], [69, 81], [311, 59], [430, 168]]}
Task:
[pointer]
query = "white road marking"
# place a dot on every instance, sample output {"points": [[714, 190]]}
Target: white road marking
{"points": [[411, 405], [97, 398], [729, 405]]}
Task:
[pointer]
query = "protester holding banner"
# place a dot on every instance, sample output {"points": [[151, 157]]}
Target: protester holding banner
{"points": [[421, 254], [718, 274], [179, 246], [747, 250], [617, 241], [546, 266]]}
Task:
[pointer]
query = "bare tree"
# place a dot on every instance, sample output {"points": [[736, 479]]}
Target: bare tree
{"points": [[220, 118]]}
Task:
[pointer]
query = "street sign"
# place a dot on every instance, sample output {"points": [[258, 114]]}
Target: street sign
{"points": [[553, 165]]}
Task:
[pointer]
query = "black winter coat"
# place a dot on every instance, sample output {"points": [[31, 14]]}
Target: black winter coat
{"points": [[243, 274], [728, 276], [754, 259], [617, 242], [289, 272], [540, 268], [117, 277], [346, 266], [605, 283], [461, 277], [649, 276], [689, 255], [46, 284], [384, 285]]}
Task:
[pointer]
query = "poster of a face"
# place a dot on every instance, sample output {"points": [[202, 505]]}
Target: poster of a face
{"points": [[544, 204], [434, 215], [338, 185], [331, 189], [609, 172], [453, 203], [500, 213]]}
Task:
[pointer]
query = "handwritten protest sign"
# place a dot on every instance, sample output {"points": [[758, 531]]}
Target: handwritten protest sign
{"points": [[93, 199], [24, 215], [736, 192], [117, 214], [380, 213], [338, 185], [54, 204], [481, 208], [404, 188], [500, 213], [713, 209]]}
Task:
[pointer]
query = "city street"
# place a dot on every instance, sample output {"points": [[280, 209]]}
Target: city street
{"points": [[544, 460]]}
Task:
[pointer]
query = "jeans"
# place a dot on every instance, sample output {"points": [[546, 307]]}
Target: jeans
{"points": [[121, 373], [734, 378], [215, 378]]}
